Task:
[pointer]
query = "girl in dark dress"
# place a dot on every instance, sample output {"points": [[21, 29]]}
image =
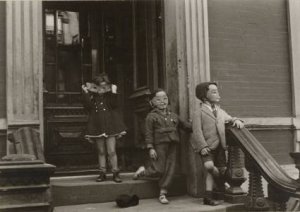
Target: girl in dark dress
{"points": [[105, 123]]}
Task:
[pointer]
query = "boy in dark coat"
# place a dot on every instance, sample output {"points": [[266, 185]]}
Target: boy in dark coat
{"points": [[162, 140]]}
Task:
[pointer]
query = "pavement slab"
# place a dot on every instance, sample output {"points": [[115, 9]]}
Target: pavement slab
{"points": [[177, 204]]}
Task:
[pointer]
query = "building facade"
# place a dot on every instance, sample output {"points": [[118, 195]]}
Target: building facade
{"points": [[251, 48]]}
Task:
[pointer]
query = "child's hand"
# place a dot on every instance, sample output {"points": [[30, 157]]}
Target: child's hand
{"points": [[152, 154], [113, 88], [237, 123], [84, 88], [205, 151]]}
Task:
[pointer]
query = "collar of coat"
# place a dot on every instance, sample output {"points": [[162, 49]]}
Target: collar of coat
{"points": [[158, 111], [206, 108]]}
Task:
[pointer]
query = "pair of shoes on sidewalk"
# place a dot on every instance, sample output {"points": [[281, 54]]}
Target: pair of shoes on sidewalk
{"points": [[102, 177], [139, 173]]}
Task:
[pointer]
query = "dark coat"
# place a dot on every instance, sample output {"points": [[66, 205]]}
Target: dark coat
{"points": [[104, 114], [160, 128]]}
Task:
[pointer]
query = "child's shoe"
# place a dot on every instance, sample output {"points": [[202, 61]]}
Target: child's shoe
{"points": [[140, 172], [101, 177], [209, 200], [163, 199], [116, 177]]}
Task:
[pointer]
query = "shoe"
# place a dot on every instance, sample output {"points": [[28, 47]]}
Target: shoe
{"points": [[163, 199], [210, 201], [116, 177], [101, 177], [140, 172]]}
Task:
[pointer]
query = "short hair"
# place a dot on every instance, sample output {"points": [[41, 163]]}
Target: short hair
{"points": [[154, 92], [202, 88], [103, 77]]}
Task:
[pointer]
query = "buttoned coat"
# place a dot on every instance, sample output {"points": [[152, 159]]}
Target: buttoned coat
{"points": [[162, 128], [104, 114], [208, 130]]}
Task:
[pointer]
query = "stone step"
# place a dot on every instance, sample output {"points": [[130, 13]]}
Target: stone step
{"points": [[26, 207], [84, 189], [177, 204]]}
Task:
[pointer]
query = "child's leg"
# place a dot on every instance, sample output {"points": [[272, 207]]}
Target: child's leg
{"points": [[209, 182], [157, 167], [220, 162], [211, 168], [168, 153], [111, 150], [212, 172], [100, 142], [168, 173], [170, 164]]}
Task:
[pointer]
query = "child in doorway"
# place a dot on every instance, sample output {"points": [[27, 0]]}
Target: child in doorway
{"points": [[162, 139], [105, 124], [209, 136]]}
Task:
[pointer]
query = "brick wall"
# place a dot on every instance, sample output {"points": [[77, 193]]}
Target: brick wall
{"points": [[278, 143], [249, 56], [2, 61]]}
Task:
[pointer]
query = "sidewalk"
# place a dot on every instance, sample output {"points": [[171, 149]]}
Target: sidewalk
{"points": [[177, 204]]}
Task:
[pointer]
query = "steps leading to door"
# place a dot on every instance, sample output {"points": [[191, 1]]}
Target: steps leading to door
{"points": [[84, 189]]}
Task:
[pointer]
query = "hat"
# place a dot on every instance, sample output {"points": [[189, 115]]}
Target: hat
{"points": [[202, 88], [124, 200]]}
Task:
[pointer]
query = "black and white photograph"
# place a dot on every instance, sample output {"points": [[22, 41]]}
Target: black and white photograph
{"points": [[149, 105]]}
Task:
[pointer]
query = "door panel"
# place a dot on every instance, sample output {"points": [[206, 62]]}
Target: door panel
{"points": [[67, 65], [148, 53]]}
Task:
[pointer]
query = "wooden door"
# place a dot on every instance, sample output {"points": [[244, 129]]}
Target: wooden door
{"points": [[123, 39], [148, 71], [67, 64]]}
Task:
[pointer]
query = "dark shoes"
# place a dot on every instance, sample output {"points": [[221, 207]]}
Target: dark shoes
{"points": [[101, 177], [212, 202], [116, 177]]}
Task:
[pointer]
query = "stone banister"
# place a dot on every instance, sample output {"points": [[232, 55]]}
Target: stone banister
{"points": [[258, 163]]}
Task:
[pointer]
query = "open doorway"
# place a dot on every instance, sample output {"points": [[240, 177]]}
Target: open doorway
{"points": [[82, 39]]}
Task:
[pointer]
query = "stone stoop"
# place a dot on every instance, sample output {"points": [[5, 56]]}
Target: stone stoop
{"points": [[83, 189], [25, 187], [177, 204]]}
